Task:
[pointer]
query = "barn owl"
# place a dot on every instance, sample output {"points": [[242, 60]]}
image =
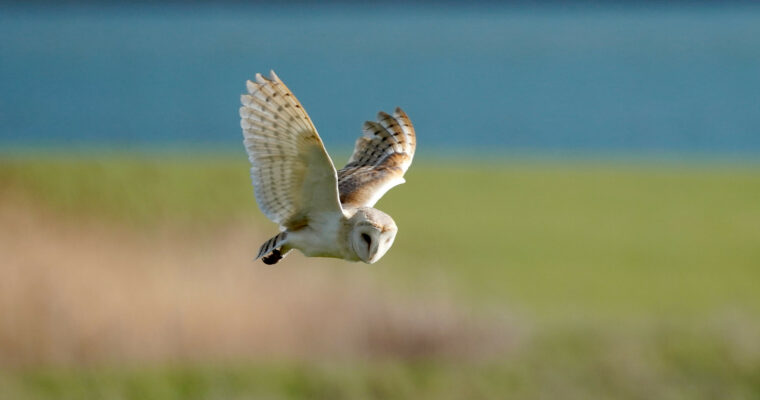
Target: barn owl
{"points": [[321, 212]]}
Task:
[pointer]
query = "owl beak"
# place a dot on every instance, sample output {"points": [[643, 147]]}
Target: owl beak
{"points": [[374, 255], [371, 257]]}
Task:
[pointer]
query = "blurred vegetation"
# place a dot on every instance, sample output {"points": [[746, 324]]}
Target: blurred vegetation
{"points": [[134, 190], [568, 363], [640, 278], [597, 239]]}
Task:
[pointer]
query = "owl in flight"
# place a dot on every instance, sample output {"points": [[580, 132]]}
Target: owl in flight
{"points": [[321, 211]]}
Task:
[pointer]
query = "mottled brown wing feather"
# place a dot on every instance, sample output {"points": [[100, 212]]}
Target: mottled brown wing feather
{"points": [[381, 157]]}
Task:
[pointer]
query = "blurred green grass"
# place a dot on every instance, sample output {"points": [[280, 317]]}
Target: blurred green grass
{"points": [[640, 278], [590, 239], [136, 191], [599, 240], [661, 362]]}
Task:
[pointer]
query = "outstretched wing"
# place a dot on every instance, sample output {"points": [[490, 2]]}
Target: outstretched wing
{"points": [[381, 157], [293, 177]]}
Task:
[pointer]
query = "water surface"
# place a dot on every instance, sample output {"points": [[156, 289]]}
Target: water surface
{"points": [[535, 79]]}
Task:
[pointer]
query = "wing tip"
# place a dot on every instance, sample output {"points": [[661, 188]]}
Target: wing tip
{"points": [[260, 79], [252, 86], [381, 115]]}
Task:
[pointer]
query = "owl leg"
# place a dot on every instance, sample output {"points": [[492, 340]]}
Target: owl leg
{"points": [[274, 249], [272, 258], [275, 256]]}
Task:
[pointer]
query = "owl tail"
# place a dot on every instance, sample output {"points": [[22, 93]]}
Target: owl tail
{"points": [[272, 251]]}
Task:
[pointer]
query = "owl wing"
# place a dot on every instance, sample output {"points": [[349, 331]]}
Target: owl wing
{"points": [[293, 177], [381, 157]]}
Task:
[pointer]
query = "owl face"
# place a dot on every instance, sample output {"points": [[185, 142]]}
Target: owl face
{"points": [[370, 242], [372, 234]]}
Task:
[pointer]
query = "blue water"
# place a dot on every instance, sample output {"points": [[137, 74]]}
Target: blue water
{"points": [[536, 79]]}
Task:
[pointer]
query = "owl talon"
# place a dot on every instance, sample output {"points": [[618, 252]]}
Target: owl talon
{"points": [[272, 258]]}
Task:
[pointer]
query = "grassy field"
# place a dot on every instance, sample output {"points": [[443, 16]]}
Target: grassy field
{"points": [[522, 279]]}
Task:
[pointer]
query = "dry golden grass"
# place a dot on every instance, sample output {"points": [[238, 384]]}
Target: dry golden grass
{"points": [[80, 292]]}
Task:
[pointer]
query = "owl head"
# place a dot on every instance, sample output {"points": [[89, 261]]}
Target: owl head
{"points": [[372, 234]]}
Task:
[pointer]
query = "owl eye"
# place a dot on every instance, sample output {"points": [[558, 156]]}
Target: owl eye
{"points": [[367, 239]]}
